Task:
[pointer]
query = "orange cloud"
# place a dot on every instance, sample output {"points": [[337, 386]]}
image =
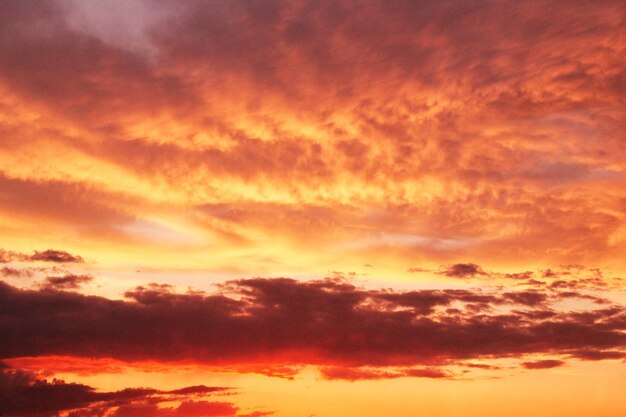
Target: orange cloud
{"points": [[457, 146], [459, 127]]}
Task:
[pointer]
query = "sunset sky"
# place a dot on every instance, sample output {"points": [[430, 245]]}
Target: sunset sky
{"points": [[313, 208]]}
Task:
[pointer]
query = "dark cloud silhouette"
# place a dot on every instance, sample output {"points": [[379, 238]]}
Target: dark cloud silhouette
{"points": [[566, 277], [596, 355], [284, 321], [543, 364], [468, 270], [529, 298], [22, 395], [57, 256], [185, 409], [9, 272], [356, 374], [49, 255], [66, 282]]}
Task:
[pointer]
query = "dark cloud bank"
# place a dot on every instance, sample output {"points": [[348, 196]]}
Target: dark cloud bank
{"points": [[325, 323]]}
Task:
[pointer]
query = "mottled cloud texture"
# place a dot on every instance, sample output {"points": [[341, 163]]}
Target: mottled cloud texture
{"points": [[462, 162], [429, 126]]}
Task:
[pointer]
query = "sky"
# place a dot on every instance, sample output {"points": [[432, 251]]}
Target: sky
{"points": [[312, 208]]}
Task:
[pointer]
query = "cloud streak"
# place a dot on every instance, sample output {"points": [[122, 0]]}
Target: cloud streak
{"points": [[22, 395]]}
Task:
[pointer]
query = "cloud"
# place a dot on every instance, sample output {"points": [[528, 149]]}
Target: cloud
{"points": [[266, 322], [57, 256], [592, 355], [543, 364], [57, 201], [566, 280], [436, 124], [49, 255], [22, 394], [9, 272], [185, 409], [529, 298], [7, 256], [358, 374], [66, 282], [468, 270]]}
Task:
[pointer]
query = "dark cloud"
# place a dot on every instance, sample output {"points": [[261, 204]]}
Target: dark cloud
{"points": [[357, 374], [598, 355], [543, 364], [468, 270], [519, 275], [185, 409], [22, 394], [66, 282], [284, 321], [529, 298], [9, 272], [49, 255], [566, 277], [57, 256]]}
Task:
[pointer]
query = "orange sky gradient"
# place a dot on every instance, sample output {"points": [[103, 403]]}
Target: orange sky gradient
{"points": [[312, 208]]}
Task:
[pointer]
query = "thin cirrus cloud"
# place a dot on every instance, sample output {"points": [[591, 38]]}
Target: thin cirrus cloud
{"points": [[412, 119]]}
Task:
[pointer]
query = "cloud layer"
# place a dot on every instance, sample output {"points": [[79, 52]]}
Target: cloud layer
{"points": [[418, 127], [436, 142], [329, 323]]}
